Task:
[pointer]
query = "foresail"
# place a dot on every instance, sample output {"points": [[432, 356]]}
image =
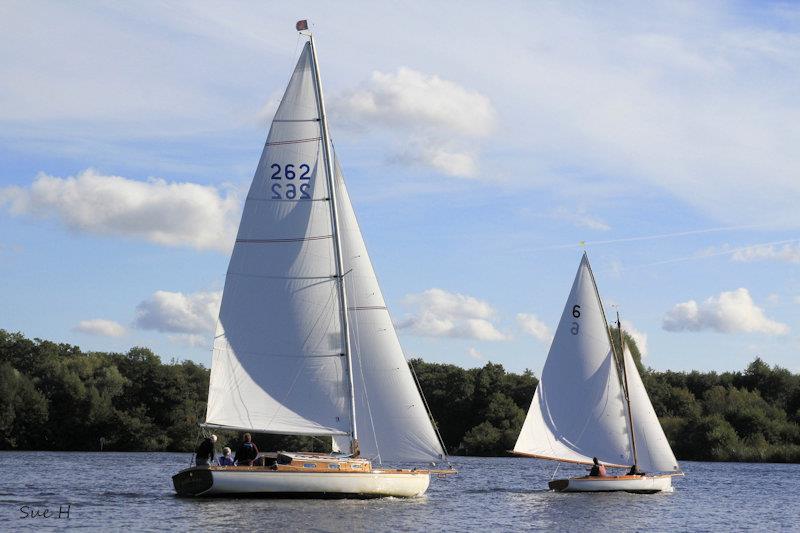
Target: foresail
{"points": [[653, 451], [578, 409], [393, 423], [278, 363]]}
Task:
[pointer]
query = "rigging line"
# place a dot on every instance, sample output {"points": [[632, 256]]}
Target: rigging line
{"points": [[713, 254], [361, 372], [649, 237], [428, 409]]}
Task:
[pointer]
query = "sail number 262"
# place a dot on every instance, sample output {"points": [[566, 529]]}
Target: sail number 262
{"points": [[576, 312], [291, 190]]}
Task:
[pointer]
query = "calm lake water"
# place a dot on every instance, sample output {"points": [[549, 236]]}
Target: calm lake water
{"points": [[115, 491]]}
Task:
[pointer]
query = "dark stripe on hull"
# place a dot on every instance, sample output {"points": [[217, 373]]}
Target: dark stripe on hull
{"points": [[559, 485]]}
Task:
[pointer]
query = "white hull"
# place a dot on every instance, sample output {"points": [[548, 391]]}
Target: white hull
{"points": [[223, 482], [639, 484]]}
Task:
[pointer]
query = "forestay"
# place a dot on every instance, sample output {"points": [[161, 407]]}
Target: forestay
{"points": [[653, 451], [278, 364], [578, 410]]}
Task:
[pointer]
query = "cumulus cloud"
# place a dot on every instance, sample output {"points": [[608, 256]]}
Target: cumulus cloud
{"points": [[789, 253], [531, 325], [100, 327], [445, 314], [158, 211], [729, 312], [439, 116], [176, 312]]}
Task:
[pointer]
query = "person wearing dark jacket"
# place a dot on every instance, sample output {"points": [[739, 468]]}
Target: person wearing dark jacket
{"points": [[247, 451], [598, 470], [204, 454]]}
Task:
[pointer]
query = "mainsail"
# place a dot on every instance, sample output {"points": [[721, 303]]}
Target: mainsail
{"points": [[279, 362], [579, 410]]}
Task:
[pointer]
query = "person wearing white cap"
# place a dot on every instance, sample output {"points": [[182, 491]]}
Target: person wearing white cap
{"points": [[205, 452], [226, 459]]}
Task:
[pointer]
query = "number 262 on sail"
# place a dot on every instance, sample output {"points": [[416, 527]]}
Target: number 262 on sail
{"points": [[290, 191]]}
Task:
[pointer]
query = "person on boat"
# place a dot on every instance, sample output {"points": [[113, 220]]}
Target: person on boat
{"points": [[226, 459], [247, 451], [597, 470], [634, 471], [205, 452]]}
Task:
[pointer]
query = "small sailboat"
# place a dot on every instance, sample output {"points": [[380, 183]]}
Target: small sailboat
{"points": [[305, 344], [591, 403]]}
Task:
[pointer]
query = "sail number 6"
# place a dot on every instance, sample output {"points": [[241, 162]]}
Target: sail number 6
{"points": [[290, 191], [576, 312]]}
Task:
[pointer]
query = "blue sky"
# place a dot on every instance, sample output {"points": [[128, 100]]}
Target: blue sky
{"points": [[481, 146]]}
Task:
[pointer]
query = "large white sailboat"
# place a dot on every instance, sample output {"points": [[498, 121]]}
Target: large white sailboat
{"points": [[591, 403], [305, 344]]}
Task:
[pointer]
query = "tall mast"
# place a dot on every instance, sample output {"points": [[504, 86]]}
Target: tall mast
{"points": [[627, 395], [619, 357], [337, 246]]}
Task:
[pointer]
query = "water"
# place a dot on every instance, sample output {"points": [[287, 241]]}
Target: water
{"points": [[133, 491]]}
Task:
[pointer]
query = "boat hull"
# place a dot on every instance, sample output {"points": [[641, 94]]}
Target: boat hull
{"points": [[635, 484], [205, 481]]}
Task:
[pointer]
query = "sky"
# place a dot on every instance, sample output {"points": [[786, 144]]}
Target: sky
{"points": [[484, 148]]}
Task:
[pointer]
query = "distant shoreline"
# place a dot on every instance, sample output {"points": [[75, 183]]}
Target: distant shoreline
{"points": [[61, 398]]}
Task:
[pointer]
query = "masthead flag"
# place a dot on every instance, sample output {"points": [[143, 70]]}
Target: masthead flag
{"points": [[301, 25]]}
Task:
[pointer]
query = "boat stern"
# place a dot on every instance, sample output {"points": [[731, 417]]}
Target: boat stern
{"points": [[193, 481]]}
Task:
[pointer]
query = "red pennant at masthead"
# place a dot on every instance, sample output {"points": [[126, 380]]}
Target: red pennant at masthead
{"points": [[301, 25]]}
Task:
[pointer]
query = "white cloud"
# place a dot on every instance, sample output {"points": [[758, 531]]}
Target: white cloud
{"points": [[191, 339], [729, 312], [580, 219], [531, 325], [176, 312], [101, 327], [474, 353], [161, 212], [445, 314], [438, 115], [639, 337], [789, 253], [412, 99]]}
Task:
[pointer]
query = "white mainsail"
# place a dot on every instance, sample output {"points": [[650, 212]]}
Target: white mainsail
{"points": [[653, 451], [277, 365], [578, 409], [279, 362]]}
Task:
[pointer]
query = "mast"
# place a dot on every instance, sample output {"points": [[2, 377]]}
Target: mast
{"points": [[337, 246], [627, 394], [619, 357]]}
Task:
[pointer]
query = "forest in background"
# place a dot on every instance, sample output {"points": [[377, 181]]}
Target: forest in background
{"points": [[53, 396]]}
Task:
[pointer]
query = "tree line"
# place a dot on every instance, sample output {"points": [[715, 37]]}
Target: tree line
{"points": [[53, 396]]}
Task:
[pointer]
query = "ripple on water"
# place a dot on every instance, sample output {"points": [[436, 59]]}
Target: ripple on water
{"points": [[116, 491]]}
